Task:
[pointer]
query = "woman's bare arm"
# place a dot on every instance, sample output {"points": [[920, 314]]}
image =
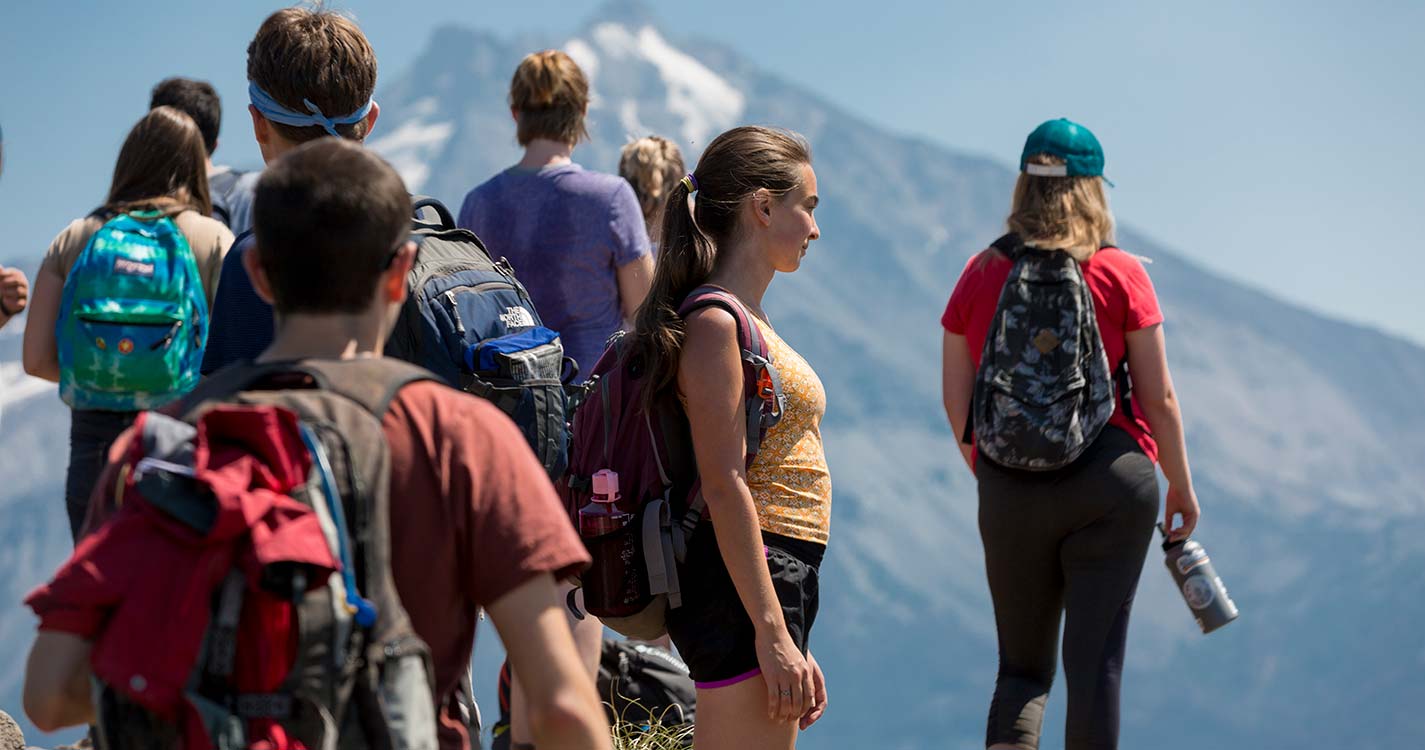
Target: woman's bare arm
{"points": [[41, 351], [957, 387], [1153, 392], [711, 380]]}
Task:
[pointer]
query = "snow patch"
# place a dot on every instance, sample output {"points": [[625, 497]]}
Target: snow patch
{"points": [[706, 103], [584, 56], [414, 144], [424, 108], [628, 118], [16, 386]]}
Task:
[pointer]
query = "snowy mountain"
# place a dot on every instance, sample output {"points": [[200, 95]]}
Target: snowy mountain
{"points": [[1301, 428]]}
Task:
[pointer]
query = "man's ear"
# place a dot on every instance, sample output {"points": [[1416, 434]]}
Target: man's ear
{"points": [[393, 282], [261, 128], [515, 115], [371, 119], [252, 263]]}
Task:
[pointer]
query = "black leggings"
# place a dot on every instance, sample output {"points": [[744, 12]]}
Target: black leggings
{"points": [[90, 435], [1071, 541]]}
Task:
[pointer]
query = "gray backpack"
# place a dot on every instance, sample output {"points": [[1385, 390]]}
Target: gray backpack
{"points": [[1044, 390], [362, 678]]}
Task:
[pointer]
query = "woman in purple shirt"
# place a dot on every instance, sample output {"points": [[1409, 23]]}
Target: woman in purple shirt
{"points": [[576, 238]]}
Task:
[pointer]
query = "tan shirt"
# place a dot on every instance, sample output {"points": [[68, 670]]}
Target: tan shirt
{"points": [[207, 237]]}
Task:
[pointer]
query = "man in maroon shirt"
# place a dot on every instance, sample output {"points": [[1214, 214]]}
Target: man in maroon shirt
{"points": [[474, 520]]}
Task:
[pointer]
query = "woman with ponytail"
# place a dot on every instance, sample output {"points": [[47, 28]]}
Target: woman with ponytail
{"points": [[749, 583]]}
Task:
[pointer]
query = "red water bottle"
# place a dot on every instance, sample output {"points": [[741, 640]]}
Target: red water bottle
{"points": [[611, 582]]}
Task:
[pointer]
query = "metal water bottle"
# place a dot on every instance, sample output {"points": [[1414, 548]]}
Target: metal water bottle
{"points": [[1200, 585]]}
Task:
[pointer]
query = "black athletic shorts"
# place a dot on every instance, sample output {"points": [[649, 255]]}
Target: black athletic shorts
{"points": [[712, 631]]}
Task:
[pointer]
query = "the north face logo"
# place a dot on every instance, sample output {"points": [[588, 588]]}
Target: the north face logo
{"points": [[133, 268], [517, 317]]}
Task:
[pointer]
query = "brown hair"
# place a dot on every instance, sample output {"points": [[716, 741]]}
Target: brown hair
{"points": [[734, 166], [313, 54], [551, 95], [651, 165], [162, 165], [328, 217], [1061, 213]]}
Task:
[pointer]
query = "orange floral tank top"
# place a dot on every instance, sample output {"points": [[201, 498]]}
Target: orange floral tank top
{"points": [[790, 481]]}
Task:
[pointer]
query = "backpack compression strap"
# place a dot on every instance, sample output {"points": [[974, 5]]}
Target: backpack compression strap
{"points": [[762, 384]]}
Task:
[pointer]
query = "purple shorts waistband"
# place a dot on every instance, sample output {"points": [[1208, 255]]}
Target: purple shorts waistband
{"points": [[729, 681]]}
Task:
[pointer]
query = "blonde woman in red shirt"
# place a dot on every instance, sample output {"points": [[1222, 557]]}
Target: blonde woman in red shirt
{"points": [[1069, 542]]}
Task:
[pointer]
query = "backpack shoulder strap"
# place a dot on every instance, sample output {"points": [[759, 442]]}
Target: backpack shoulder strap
{"points": [[372, 383], [1010, 245], [762, 384], [749, 336]]}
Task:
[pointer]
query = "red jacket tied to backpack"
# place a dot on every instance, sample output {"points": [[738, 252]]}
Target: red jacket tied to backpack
{"points": [[142, 586]]}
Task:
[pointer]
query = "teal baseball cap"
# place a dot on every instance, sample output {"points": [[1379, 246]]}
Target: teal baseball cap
{"points": [[1068, 140]]}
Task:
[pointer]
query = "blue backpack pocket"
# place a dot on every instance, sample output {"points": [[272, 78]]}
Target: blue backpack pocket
{"points": [[522, 373]]}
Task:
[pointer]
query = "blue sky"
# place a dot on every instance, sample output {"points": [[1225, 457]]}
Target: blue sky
{"points": [[1276, 142]]}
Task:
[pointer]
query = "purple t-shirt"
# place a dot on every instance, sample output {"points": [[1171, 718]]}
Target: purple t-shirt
{"points": [[565, 230]]}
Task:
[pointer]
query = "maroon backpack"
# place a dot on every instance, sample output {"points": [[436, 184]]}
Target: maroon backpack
{"points": [[652, 452]]}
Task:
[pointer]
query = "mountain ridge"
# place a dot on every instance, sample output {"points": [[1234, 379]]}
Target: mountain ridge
{"points": [[1297, 422]]}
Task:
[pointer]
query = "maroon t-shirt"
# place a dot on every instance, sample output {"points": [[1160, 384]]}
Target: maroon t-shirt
{"points": [[473, 516], [1123, 300]]}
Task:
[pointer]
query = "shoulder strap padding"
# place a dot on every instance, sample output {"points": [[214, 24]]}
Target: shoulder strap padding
{"points": [[749, 336], [372, 383]]}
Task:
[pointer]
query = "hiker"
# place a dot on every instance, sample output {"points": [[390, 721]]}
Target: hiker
{"points": [[652, 165], [298, 55], [749, 581], [159, 189], [230, 190], [1067, 488], [472, 519], [573, 236], [14, 293]]}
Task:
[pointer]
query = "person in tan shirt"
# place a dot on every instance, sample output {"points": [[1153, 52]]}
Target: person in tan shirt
{"points": [[14, 293], [161, 166]]}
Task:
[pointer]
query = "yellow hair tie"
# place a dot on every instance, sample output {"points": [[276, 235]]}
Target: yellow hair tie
{"points": [[690, 182]]}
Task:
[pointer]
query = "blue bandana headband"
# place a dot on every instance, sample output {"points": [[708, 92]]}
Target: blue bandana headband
{"points": [[274, 111]]}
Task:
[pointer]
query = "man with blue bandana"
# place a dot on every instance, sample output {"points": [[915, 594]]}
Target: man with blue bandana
{"points": [[304, 83]]}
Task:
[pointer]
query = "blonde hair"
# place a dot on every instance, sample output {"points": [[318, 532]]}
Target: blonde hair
{"points": [[651, 165], [1061, 213], [551, 95]]}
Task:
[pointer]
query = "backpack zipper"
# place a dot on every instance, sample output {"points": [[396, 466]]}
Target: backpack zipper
{"points": [[449, 296], [455, 312]]}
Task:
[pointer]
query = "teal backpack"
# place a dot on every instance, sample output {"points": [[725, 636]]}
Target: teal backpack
{"points": [[133, 321]]}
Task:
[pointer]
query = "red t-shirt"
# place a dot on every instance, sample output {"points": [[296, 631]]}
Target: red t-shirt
{"points": [[1123, 300], [473, 516]]}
